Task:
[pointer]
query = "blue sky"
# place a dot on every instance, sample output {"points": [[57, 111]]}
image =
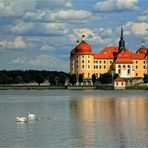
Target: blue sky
{"points": [[39, 34]]}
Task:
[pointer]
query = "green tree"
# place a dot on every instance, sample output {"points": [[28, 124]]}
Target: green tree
{"points": [[105, 78], [62, 79], [4, 79], [52, 79], [18, 79], [145, 79], [115, 76], [39, 79], [94, 79], [80, 79], [73, 79], [27, 79]]}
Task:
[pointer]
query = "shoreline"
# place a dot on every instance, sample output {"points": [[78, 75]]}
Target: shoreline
{"points": [[44, 87]]}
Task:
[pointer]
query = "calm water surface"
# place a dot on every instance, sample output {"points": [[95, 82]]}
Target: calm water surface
{"points": [[79, 119]]}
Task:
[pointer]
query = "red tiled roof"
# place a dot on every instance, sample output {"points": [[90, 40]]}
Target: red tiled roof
{"points": [[83, 47], [103, 56], [142, 50], [137, 56], [118, 60], [119, 79]]}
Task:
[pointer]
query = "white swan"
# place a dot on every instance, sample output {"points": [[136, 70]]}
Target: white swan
{"points": [[31, 116], [21, 119]]}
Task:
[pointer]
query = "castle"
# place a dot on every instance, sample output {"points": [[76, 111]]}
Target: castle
{"points": [[112, 59]]}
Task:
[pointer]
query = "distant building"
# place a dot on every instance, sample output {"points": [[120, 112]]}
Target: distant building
{"points": [[119, 83], [111, 59]]}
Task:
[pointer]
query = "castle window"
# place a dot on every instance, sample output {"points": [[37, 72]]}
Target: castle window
{"points": [[96, 61], [82, 56], [117, 83], [110, 62], [144, 62], [77, 66], [100, 66], [136, 67], [129, 66], [77, 61], [96, 66], [88, 61], [119, 66], [128, 71], [122, 83], [119, 71], [88, 74], [82, 66], [88, 66], [104, 67], [143, 67], [82, 61], [136, 74], [100, 61], [124, 66], [136, 62], [104, 62], [88, 56]]}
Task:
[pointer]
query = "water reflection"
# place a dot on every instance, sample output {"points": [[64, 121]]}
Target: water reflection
{"points": [[111, 122]]}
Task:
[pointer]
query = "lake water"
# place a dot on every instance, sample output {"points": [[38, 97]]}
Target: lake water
{"points": [[78, 119]]}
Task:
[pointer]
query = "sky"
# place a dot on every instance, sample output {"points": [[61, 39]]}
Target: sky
{"points": [[40, 34]]}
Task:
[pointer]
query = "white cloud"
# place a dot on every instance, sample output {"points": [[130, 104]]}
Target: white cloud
{"points": [[16, 7], [47, 48], [113, 5], [19, 60], [72, 14], [18, 42], [138, 28], [45, 61], [21, 26], [143, 18]]}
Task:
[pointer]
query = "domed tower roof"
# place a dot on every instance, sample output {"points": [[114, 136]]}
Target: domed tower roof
{"points": [[83, 47], [142, 50]]}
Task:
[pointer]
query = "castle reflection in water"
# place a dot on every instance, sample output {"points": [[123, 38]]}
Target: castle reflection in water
{"points": [[118, 122]]}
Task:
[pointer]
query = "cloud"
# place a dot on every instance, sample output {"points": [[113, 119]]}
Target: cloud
{"points": [[19, 60], [114, 5], [21, 26], [143, 18], [57, 15], [138, 28], [16, 7], [47, 48], [72, 14], [18, 42]]}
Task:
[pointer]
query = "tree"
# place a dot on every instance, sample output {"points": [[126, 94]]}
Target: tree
{"points": [[3, 79], [145, 79], [73, 79], [94, 79], [80, 79], [39, 79], [18, 79], [62, 79], [115, 76], [105, 78], [52, 79]]}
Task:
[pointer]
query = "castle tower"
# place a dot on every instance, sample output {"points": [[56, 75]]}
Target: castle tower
{"points": [[121, 42]]}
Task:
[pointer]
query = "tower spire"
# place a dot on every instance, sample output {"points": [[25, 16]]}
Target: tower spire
{"points": [[121, 42]]}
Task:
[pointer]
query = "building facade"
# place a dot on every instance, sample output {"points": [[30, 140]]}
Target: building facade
{"points": [[111, 59]]}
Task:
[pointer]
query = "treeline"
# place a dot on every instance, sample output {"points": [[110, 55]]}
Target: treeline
{"points": [[28, 76]]}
